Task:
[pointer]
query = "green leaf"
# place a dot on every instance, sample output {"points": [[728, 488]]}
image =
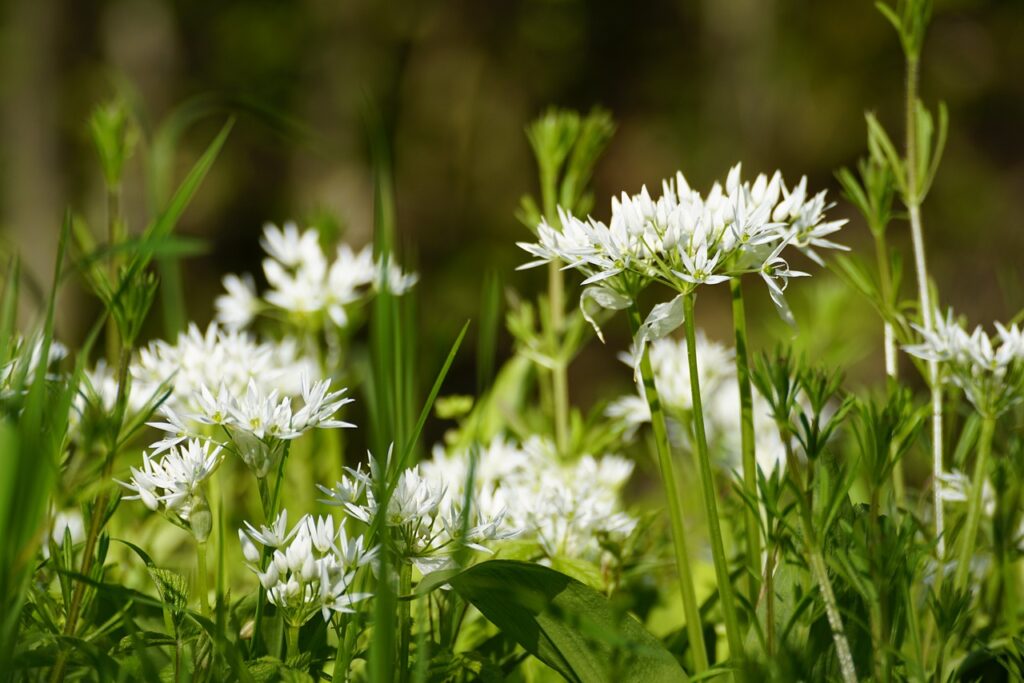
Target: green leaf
{"points": [[570, 627], [170, 215]]}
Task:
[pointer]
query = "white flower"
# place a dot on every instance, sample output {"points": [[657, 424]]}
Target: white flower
{"points": [[290, 247], [990, 370], [173, 484], [529, 493], [258, 423], [700, 269], [218, 358], [307, 289], [311, 568], [684, 239], [239, 305], [426, 516]]}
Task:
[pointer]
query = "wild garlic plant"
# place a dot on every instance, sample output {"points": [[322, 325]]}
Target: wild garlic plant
{"points": [[179, 505]]}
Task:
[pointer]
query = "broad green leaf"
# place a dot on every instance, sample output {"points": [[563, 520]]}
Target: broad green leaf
{"points": [[570, 627]]}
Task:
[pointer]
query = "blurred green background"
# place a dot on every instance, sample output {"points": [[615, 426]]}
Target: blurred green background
{"points": [[694, 86]]}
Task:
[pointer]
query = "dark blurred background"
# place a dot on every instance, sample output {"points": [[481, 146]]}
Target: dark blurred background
{"points": [[695, 86]]}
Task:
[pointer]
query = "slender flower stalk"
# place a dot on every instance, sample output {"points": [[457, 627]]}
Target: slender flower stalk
{"points": [[404, 621], [202, 581], [293, 641], [748, 442], [556, 304], [913, 202], [560, 371], [975, 502], [707, 481], [668, 476]]}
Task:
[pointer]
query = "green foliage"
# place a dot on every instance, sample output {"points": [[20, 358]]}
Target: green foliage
{"points": [[567, 625]]}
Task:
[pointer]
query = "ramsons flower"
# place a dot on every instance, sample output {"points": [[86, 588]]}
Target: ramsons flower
{"points": [[219, 358], [307, 288], [257, 424], [684, 239], [173, 484], [989, 369], [310, 568], [566, 508], [427, 522]]}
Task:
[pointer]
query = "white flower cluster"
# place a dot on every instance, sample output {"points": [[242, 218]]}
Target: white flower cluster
{"points": [[305, 287], [174, 484], [311, 568], [567, 508], [214, 357], [258, 424], [684, 239], [427, 519], [220, 358], [721, 401], [990, 370]]}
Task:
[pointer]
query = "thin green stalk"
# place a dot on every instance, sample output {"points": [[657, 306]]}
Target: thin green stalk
{"points": [[878, 609], [913, 632], [889, 338], [975, 502], [753, 526], [1011, 596], [560, 371], [293, 641], [556, 302], [202, 581], [885, 287], [271, 506], [707, 481], [913, 202], [404, 621], [769, 600], [835, 620], [346, 633], [816, 563], [115, 235], [675, 505]]}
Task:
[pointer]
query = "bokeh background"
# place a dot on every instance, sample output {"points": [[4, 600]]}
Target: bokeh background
{"points": [[695, 86]]}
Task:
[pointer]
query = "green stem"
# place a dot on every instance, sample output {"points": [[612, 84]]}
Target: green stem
{"points": [[769, 600], [343, 654], [975, 502], [202, 581], [707, 481], [293, 641], [816, 563], [404, 621], [753, 526], [1011, 596], [913, 202], [913, 633], [271, 506], [560, 372], [878, 609], [115, 235], [889, 337], [670, 482]]}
